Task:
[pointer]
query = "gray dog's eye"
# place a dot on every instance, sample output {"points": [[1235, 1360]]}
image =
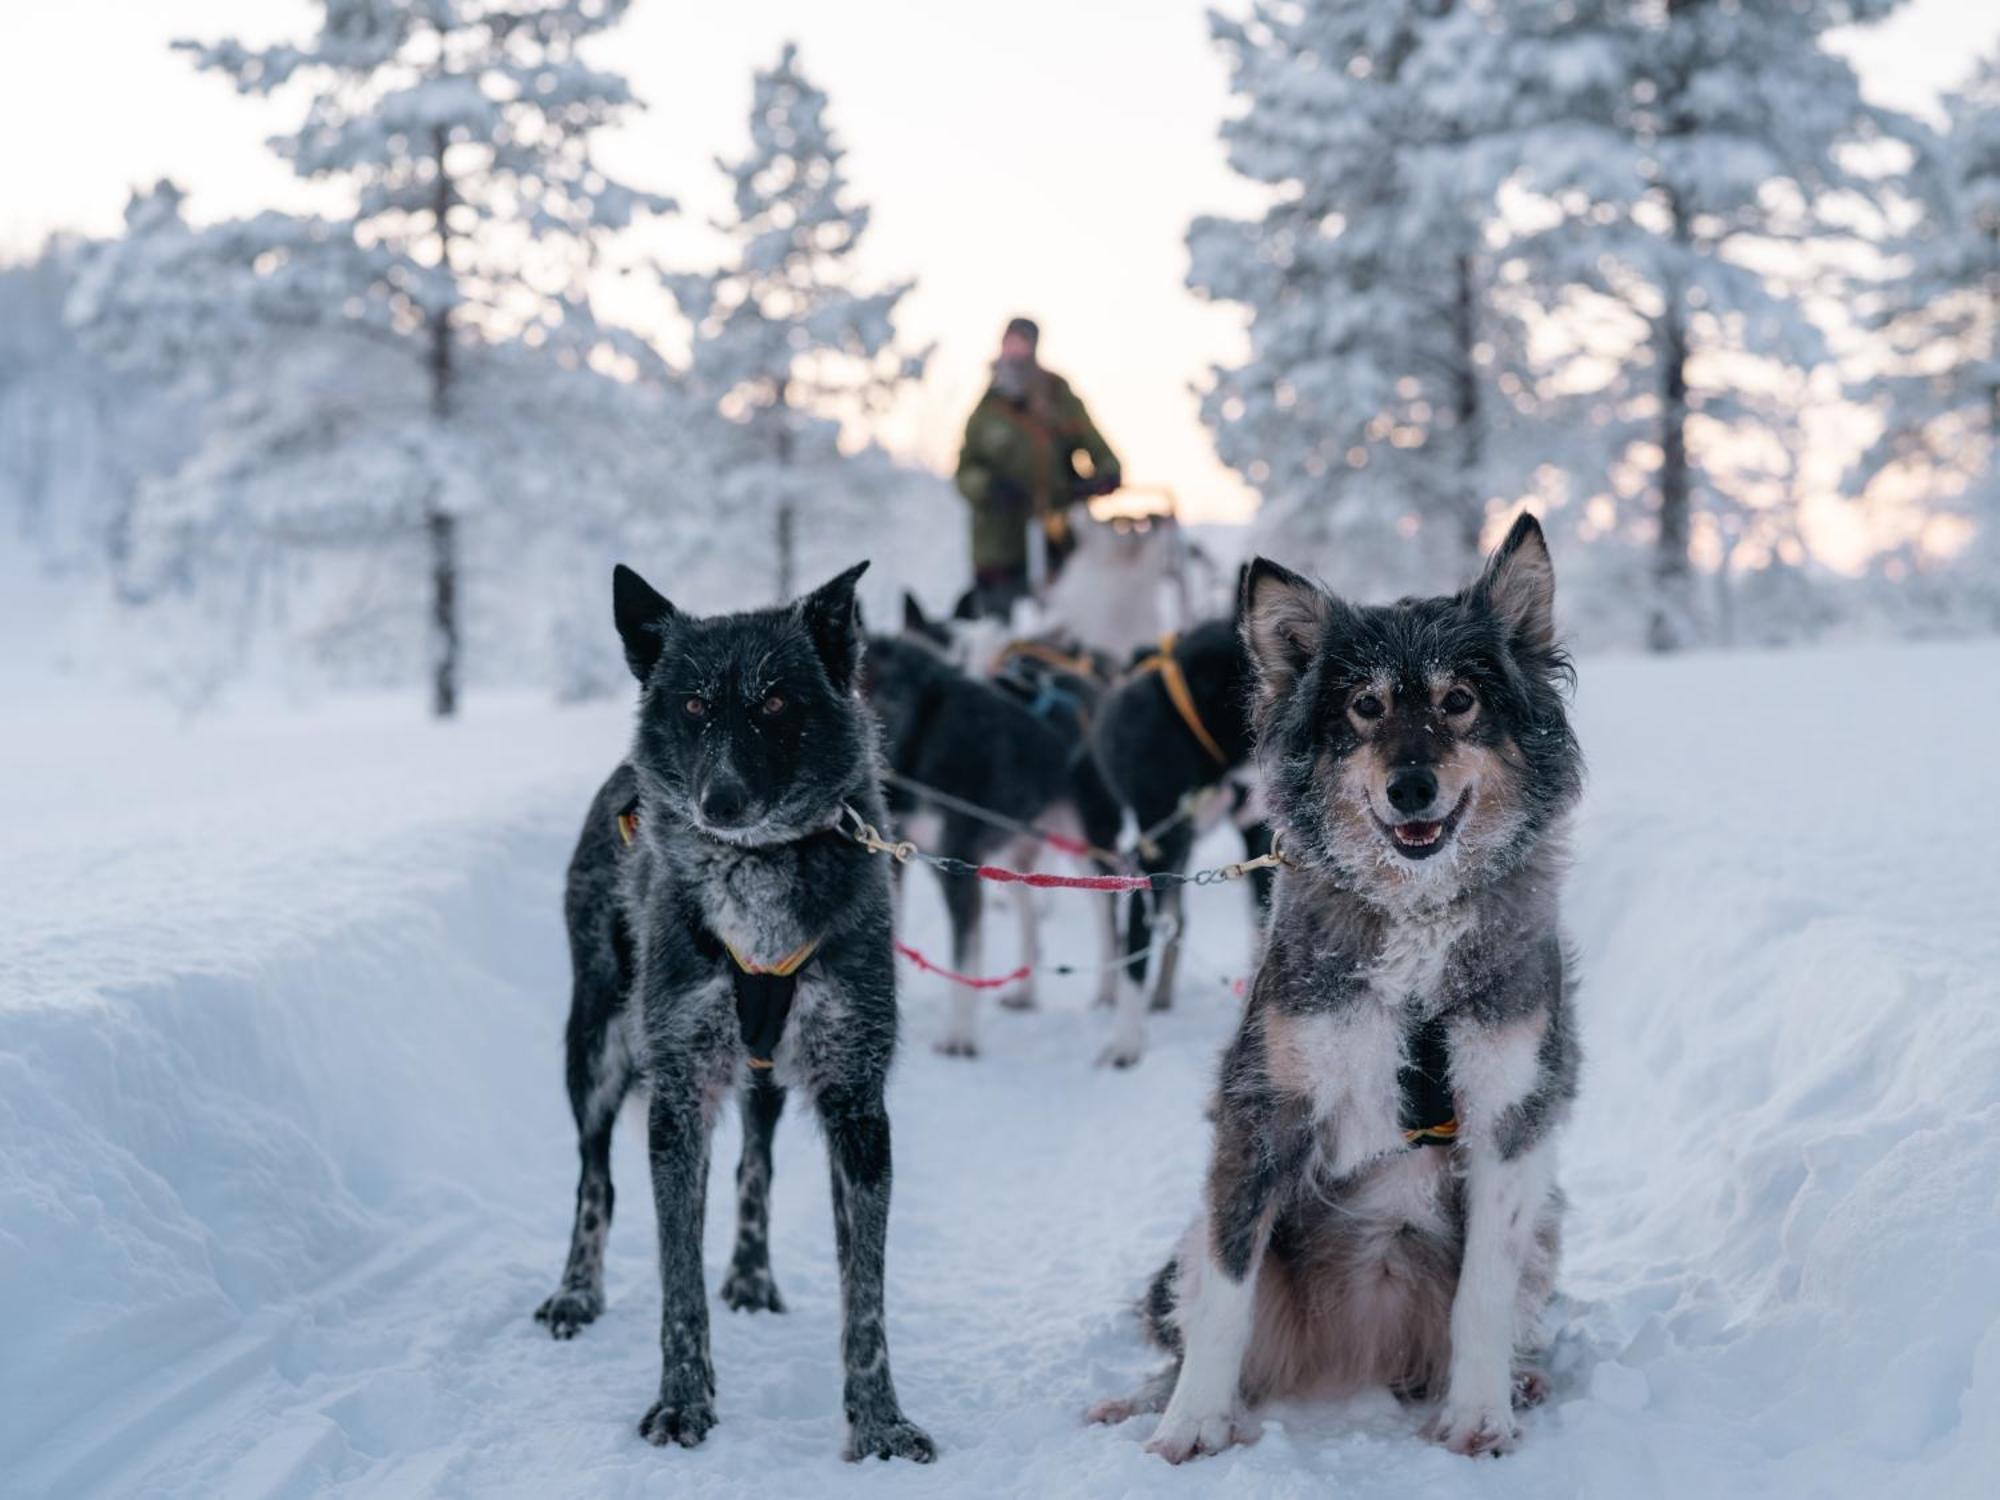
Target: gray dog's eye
{"points": [[1368, 706], [695, 708], [1459, 700], [772, 706]]}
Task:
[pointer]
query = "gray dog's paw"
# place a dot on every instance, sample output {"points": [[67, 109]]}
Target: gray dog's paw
{"points": [[570, 1310], [898, 1437], [684, 1422], [751, 1290]]}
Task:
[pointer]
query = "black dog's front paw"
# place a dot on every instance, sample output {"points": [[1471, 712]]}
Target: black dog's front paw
{"points": [[751, 1289], [894, 1437], [680, 1421], [569, 1310]]}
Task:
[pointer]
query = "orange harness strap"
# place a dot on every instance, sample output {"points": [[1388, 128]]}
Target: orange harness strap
{"points": [[1075, 666], [784, 968], [1174, 680]]}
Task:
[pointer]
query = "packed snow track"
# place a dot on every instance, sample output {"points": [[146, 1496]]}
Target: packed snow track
{"points": [[285, 1163]]}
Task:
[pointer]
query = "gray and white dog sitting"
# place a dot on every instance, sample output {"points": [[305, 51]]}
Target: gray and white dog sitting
{"points": [[724, 935], [1381, 1205]]}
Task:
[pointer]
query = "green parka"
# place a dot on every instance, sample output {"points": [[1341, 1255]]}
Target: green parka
{"points": [[1019, 460]]}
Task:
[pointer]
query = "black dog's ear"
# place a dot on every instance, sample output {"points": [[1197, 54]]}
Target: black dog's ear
{"points": [[834, 621], [1520, 584], [1282, 617], [642, 613], [915, 621]]}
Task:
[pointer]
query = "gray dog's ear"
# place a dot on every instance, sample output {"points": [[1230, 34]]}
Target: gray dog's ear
{"points": [[915, 621], [834, 621], [642, 612], [1520, 584], [1282, 618]]}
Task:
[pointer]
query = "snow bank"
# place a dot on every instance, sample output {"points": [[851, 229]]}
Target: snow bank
{"points": [[285, 1163]]}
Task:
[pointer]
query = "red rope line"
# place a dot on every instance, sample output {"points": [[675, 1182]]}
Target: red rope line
{"points": [[954, 976], [1001, 875]]}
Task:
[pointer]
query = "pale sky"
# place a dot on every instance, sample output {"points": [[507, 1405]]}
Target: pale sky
{"points": [[1034, 156]]}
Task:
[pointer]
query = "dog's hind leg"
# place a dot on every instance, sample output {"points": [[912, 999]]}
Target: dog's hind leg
{"points": [[748, 1287], [1023, 997], [968, 956], [1150, 1397], [1109, 968], [1128, 1032], [1172, 905], [857, 1145], [599, 1074]]}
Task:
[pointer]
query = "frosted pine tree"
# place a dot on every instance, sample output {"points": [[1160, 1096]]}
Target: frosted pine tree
{"points": [[782, 336], [1702, 168], [1380, 409], [455, 136], [1937, 316]]}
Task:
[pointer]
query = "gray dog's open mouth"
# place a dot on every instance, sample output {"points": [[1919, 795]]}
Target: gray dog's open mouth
{"points": [[1419, 839]]}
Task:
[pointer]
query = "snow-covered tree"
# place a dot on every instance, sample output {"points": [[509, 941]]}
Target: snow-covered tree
{"points": [[1936, 313], [1707, 165], [455, 138], [1375, 410], [782, 336], [77, 437]]}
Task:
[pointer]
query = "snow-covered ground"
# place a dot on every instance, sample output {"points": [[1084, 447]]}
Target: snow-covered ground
{"points": [[285, 1164]]}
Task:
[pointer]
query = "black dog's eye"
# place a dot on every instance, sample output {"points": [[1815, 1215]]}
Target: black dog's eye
{"points": [[772, 706], [1368, 706], [1459, 700], [695, 708]]}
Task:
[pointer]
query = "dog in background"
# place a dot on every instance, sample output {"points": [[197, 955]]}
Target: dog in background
{"points": [[1381, 1204], [945, 729], [1175, 734], [725, 935]]}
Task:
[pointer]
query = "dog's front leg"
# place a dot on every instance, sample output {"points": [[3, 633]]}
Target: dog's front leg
{"points": [[1504, 1203], [677, 1136], [1256, 1150], [857, 1138], [964, 905], [749, 1286]]}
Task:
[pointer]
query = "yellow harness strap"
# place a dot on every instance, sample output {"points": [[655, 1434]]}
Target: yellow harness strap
{"points": [[784, 968], [1433, 1135], [1174, 680], [1076, 666]]}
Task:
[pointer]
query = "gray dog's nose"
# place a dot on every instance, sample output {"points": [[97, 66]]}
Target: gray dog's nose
{"points": [[1412, 789], [723, 802]]}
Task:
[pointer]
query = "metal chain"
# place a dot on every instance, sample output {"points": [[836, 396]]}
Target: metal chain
{"points": [[903, 851]]}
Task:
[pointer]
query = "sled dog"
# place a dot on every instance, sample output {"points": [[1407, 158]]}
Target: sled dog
{"points": [[726, 935], [1381, 1203]]}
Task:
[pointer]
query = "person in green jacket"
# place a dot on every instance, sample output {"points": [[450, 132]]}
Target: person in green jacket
{"points": [[1031, 452]]}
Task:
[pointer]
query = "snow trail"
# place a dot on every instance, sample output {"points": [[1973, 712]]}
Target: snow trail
{"points": [[285, 1164]]}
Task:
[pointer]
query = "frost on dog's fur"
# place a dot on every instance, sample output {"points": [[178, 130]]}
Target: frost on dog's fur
{"points": [[751, 738], [1420, 768]]}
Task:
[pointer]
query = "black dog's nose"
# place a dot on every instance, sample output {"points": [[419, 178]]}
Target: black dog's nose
{"points": [[723, 802], [1412, 789]]}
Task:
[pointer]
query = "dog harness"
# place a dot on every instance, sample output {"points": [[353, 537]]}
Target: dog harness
{"points": [[1078, 665], [1427, 1114], [764, 992], [1174, 680]]}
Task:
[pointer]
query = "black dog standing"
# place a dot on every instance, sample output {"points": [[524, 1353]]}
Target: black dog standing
{"points": [[724, 934]]}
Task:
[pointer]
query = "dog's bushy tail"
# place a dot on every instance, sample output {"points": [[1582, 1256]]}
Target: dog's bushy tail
{"points": [[1156, 1308]]}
